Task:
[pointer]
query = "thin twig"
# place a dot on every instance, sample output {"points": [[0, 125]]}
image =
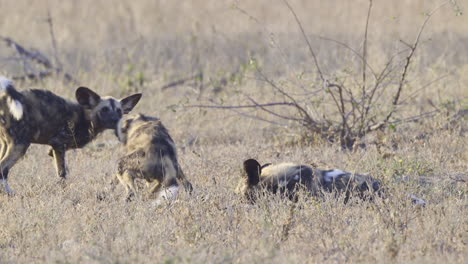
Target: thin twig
{"points": [[236, 110], [272, 112], [364, 56], [311, 50], [239, 106], [308, 120], [408, 61], [34, 56], [259, 118], [37, 57], [182, 81], [271, 39], [341, 108], [364, 50], [52, 36], [423, 87], [416, 117], [355, 52]]}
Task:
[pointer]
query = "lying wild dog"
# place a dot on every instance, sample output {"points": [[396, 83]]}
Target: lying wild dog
{"points": [[41, 117], [150, 153], [287, 178], [283, 178]]}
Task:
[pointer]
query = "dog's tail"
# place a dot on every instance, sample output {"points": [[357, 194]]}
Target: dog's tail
{"points": [[14, 104]]}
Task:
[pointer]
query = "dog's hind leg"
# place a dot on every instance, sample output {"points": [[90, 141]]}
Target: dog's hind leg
{"points": [[127, 180], [154, 187], [181, 177], [3, 147], [11, 154]]}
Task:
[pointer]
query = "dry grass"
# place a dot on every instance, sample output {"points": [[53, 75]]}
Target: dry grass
{"points": [[109, 46]]}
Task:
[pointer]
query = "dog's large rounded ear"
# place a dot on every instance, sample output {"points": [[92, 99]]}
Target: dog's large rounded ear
{"points": [[253, 170], [86, 97], [128, 103]]}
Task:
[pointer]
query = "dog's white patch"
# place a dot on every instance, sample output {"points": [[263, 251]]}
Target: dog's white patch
{"points": [[4, 182], [332, 175], [167, 194], [170, 193], [16, 108]]}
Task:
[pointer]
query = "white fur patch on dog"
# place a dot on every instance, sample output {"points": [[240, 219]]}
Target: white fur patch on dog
{"points": [[15, 107], [332, 175], [169, 193]]}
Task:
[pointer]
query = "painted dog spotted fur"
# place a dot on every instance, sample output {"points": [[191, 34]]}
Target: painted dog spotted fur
{"points": [[150, 154], [42, 117]]}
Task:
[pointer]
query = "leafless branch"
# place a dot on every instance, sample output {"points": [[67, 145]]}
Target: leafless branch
{"points": [[239, 106], [235, 108], [364, 50], [34, 56], [52, 37], [271, 35], [311, 50], [37, 57], [355, 52], [182, 81], [364, 56], [272, 112], [308, 120], [409, 60]]}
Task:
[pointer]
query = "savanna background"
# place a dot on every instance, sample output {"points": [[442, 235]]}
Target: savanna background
{"points": [[185, 55]]}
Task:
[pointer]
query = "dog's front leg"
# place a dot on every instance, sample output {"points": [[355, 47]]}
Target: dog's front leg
{"points": [[59, 157]]}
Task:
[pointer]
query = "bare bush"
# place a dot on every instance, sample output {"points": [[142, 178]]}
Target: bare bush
{"points": [[365, 97]]}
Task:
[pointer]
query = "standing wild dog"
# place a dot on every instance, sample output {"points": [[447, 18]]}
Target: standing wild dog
{"points": [[286, 179], [41, 117], [150, 153]]}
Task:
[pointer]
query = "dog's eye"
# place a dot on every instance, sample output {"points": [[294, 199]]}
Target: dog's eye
{"points": [[105, 109], [119, 111]]}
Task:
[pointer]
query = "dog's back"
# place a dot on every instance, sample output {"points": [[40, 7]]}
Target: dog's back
{"points": [[149, 142], [45, 114]]}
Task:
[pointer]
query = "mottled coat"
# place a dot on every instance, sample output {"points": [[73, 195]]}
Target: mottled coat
{"points": [[150, 154], [42, 117], [287, 178]]}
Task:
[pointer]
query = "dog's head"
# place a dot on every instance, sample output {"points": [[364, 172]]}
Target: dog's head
{"points": [[252, 172], [106, 111]]}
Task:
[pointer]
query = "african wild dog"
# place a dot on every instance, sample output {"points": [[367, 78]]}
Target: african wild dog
{"points": [[41, 117], [286, 179], [150, 153]]}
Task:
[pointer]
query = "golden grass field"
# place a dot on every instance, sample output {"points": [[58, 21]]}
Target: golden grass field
{"points": [[119, 47]]}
